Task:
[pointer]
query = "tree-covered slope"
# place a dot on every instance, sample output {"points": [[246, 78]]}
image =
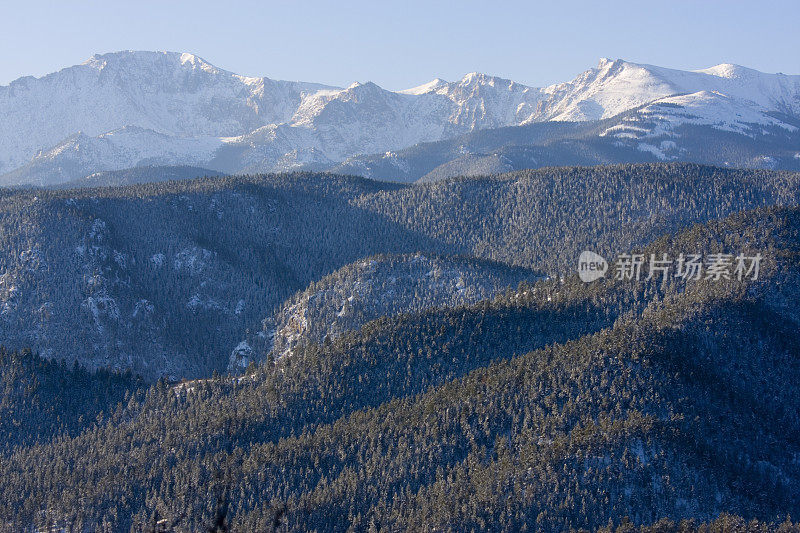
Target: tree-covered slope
{"points": [[371, 288], [544, 218], [683, 405], [140, 174], [164, 279], [41, 399], [167, 278]]}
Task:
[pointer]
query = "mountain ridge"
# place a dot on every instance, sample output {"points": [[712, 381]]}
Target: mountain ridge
{"points": [[683, 409], [129, 109]]}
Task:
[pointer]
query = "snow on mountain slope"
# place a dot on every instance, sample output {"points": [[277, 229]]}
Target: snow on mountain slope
{"points": [[131, 108], [368, 289], [609, 89], [617, 86], [778, 92], [365, 118], [703, 108], [479, 101], [170, 93], [130, 146], [431, 86], [274, 147]]}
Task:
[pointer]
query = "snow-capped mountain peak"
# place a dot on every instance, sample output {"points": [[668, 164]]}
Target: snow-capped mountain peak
{"points": [[197, 62], [430, 87], [477, 78], [194, 109], [176, 94], [729, 70], [615, 86], [607, 90]]}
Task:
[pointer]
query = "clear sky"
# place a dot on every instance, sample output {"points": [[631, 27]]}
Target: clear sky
{"points": [[404, 43]]}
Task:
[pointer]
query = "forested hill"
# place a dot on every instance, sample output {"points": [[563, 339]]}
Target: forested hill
{"points": [[41, 400], [167, 278], [556, 406], [371, 288], [544, 218], [141, 174]]}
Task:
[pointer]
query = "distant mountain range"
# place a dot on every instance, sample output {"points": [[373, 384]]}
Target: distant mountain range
{"points": [[133, 109]]}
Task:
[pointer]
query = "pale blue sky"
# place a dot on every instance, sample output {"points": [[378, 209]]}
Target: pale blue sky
{"points": [[402, 44]]}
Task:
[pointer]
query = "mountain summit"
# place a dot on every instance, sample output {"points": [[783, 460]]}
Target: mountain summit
{"points": [[130, 108]]}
